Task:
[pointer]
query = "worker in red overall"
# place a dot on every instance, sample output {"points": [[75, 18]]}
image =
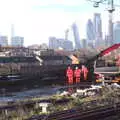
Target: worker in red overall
{"points": [[118, 61], [85, 72], [77, 74], [69, 74]]}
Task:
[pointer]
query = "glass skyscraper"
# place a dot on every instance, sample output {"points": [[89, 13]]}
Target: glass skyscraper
{"points": [[116, 32], [90, 32], [98, 28], [76, 36]]}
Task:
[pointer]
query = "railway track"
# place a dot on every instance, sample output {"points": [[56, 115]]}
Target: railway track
{"points": [[79, 114]]}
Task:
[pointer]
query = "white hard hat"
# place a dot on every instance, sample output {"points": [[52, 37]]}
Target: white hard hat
{"points": [[76, 67]]}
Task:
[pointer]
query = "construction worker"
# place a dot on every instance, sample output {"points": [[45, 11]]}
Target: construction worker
{"points": [[77, 74], [69, 75], [85, 72]]}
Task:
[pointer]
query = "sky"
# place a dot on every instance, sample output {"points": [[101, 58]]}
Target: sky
{"points": [[37, 20]]}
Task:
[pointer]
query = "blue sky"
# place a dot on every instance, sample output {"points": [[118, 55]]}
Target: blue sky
{"points": [[36, 20]]}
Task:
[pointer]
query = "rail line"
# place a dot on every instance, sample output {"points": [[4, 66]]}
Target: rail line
{"points": [[79, 114]]}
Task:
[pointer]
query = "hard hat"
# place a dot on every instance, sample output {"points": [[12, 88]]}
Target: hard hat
{"points": [[76, 67], [68, 67]]}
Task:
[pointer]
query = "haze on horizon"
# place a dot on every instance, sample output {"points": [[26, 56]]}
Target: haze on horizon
{"points": [[36, 20]]}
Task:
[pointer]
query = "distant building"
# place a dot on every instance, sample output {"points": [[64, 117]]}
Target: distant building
{"points": [[65, 44], [44, 46], [84, 43], [90, 32], [116, 32], [76, 36], [12, 30], [98, 28], [53, 43], [4, 41], [56, 43], [107, 40], [17, 41], [110, 31]]}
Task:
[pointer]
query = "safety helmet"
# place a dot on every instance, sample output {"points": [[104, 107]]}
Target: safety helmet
{"points": [[68, 67], [76, 68]]}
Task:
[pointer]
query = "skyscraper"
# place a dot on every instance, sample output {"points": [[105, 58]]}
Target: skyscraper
{"points": [[76, 36], [90, 31], [98, 28], [116, 32], [12, 31]]}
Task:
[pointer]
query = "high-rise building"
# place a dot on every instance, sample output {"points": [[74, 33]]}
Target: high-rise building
{"points": [[98, 28], [90, 31], [12, 31], [17, 41], [56, 43], [4, 41], [116, 32], [76, 36], [84, 43]]}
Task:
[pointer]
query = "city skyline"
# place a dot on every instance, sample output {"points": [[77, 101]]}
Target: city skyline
{"points": [[37, 20], [90, 31]]}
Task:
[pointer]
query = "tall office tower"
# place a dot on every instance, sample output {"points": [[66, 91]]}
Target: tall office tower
{"points": [[110, 30], [12, 31], [98, 29], [116, 32], [76, 36], [17, 41], [90, 32], [4, 41]]}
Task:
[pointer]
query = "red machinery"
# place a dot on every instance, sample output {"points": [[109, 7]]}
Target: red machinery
{"points": [[102, 53]]}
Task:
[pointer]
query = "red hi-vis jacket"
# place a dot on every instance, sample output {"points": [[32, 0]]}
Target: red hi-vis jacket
{"points": [[118, 61], [69, 72], [85, 72], [77, 73]]}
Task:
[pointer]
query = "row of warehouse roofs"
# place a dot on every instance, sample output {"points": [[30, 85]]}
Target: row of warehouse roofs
{"points": [[13, 54], [46, 60]]}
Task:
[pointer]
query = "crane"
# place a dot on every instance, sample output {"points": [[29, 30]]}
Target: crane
{"points": [[111, 9]]}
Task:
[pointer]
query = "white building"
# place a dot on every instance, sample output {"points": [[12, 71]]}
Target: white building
{"points": [[17, 41], [53, 43], [67, 45], [4, 41], [56, 43]]}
